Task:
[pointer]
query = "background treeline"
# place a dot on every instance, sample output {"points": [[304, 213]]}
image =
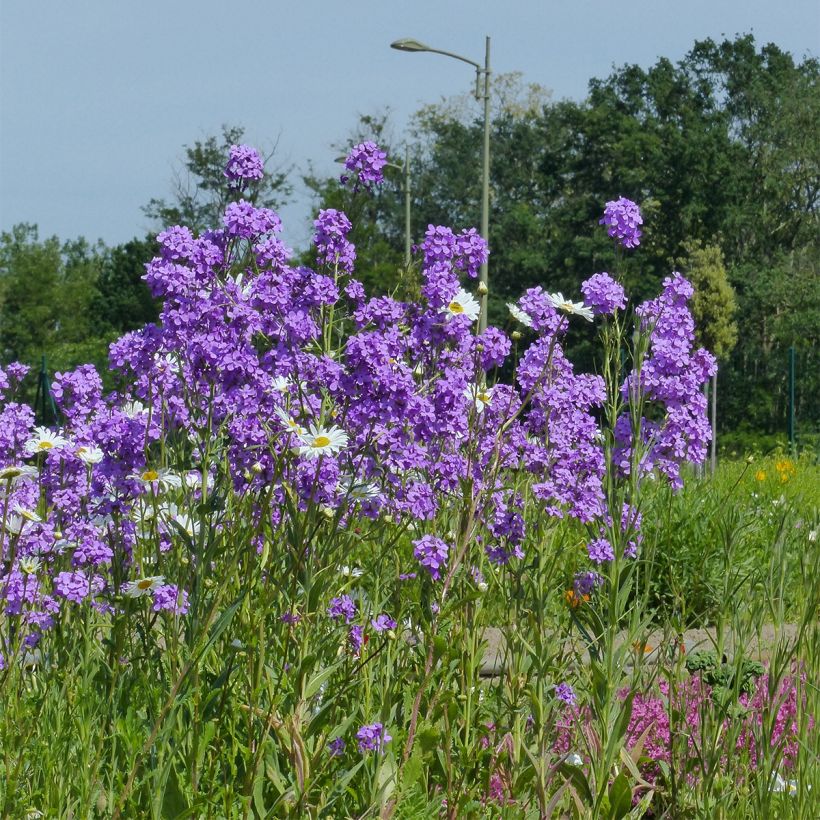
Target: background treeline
{"points": [[722, 150]]}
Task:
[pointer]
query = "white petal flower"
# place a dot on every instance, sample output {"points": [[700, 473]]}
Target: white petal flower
{"points": [[29, 564], [187, 524], [463, 304], [135, 408], [18, 472], [90, 455], [520, 315], [357, 490], [290, 424], [142, 586], [480, 395], [321, 441], [44, 440], [567, 306], [162, 478], [355, 572]]}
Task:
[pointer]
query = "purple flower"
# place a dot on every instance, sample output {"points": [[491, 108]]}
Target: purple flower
{"points": [[365, 162], [603, 294], [564, 692], [585, 583], [382, 623], [169, 598], [336, 747], [600, 550], [623, 216], [244, 163], [73, 586], [372, 737], [355, 637], [342, 607], [330, 238], [291, 618], [431, 553]]}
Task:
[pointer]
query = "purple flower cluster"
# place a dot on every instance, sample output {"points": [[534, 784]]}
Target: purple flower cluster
{"points": [[466, 251], [431, 553], [342, 607], [330, 238], [603, 294], [565, 693], [244, 164], [397, 398], [383, 623], [671, 383], [365, 163], [372, 738], [623, 218], [169, 598]]}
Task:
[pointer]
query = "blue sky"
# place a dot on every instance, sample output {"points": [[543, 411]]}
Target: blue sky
{"points": [[98, 97]]}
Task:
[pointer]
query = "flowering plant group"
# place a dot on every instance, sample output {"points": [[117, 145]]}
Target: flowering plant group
{"points": [[276, 423]]}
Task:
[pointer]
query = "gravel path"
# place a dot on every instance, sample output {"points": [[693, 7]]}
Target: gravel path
{"points": [[760, 647]]}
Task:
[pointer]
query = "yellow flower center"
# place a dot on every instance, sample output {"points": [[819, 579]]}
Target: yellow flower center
{"points": [[150, 475], [484, 398], [321, 441], [456, 307], [44, 445], [144, 584]]}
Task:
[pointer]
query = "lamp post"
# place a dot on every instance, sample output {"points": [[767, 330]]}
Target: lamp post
{"points": [[482, 93]]}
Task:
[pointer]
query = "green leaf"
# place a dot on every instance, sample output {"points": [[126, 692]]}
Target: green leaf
{"points": [[620, 797]]}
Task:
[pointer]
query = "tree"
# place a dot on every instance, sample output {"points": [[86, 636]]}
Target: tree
{"points": [[46, 292], [122, 300], [719, 149], [199, 191], [713, 308]]}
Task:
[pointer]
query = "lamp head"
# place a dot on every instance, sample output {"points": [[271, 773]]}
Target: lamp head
{"points": [[409, 45]]}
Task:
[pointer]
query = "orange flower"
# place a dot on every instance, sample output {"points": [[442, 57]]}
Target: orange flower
{"points": [[760, 475], [785, 469], [571, 597]]}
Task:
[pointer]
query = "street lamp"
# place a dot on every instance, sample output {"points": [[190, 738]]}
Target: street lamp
{"points": [[480, 94]]}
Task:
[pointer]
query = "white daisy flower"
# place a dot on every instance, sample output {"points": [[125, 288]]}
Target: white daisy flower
{"points": [[520, 315], [463, 304], [29, 564], [480, 395], [163, 477], [136, 589], [352, 572], [565, 305], [135, 408], [90, 455], [321, 441], [188, 524], [357, 490], [15, 523], [43, 440], [18, 472], [281, 384], [290, 424]]}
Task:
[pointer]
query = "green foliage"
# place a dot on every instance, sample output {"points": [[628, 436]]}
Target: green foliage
{"points": [[713, 303], [723, 675], [722, 152]]}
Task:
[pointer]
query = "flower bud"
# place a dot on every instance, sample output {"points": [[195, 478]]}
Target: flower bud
{"points": [[482, 289], [516, 335], [257, 467]]}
